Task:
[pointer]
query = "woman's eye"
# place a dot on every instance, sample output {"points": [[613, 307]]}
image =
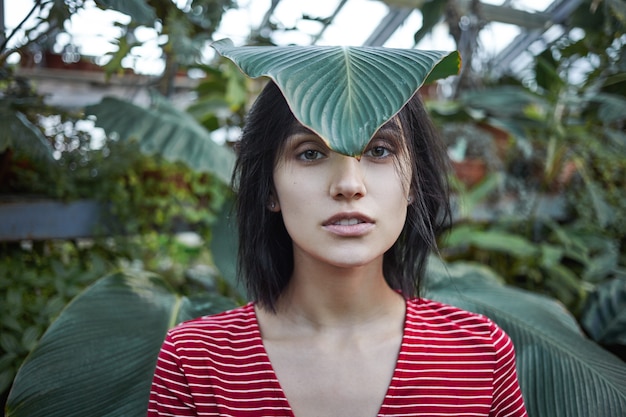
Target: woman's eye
{"points": [[310, 155], [378, 152]]}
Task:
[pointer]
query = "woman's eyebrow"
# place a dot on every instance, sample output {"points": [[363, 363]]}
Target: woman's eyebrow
{"points": [[300, 129], [390, 127]]}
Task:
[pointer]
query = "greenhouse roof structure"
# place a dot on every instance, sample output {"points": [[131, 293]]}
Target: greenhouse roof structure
{"points": [[511, 31], [506, 34]]}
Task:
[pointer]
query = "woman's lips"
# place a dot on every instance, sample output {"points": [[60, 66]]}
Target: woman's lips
{"points": [[349, 224]]}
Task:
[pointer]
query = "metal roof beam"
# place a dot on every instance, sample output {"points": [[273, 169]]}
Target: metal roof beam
{"points": [[558, 12], [388, 25], [490, 12]]}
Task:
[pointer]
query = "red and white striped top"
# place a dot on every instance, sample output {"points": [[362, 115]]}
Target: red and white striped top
{"points": [[451, 363]]}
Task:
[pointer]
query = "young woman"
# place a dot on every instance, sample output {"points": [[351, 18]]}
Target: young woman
{"points": [[332, 249]]}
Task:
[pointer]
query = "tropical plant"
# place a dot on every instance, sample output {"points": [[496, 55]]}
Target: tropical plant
{"points": [[137, 304], [389, 79], [38, 278], [178, 137], [36, 283], [564, 169], [115, 329], [604, 315], [561, 371], [98, 357], [22, 111], [131, 303], [47, 152]]}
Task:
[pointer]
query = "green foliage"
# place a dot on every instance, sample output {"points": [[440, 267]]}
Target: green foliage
{"points": [[38, 279], [148, 201], [50, 153], [561, 371], [35, 285], [344, 94], [432, 11], [98, 357], [564, 262], [167, 131], [222, 96], [125, 315], [139, 10], [556, 125], [187, 29], [604, 314], [567, 146]]}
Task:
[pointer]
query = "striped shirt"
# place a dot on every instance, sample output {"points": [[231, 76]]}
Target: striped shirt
{"points": [[451, 363]]}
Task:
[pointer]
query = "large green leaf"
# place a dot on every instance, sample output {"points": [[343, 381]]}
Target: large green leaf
{"points": [[491, 240], [19, 133], [98, 357], [504, 101], [432, 13], [604, 314], [344, 94], [561, 372], [224, 242], [138, 10], [165, 130]]}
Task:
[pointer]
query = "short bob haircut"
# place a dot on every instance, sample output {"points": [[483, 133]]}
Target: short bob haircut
{"points": [[265, 259]]}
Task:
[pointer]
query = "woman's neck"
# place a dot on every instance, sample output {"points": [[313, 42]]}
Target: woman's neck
{"points": [[322, 296]]}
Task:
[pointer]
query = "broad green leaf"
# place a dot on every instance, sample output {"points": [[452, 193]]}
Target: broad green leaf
{"points": [[562, 373], [604, 314], [612, 107], [138, 10], [344, 94], [604, 260], [98, 357], [604, 211], [491, 240], [224, 244], [550, 255], [564, 284], [503, 101], [432, 12], [546, 72], [165, 130], [6, 376], [186, 47], [469, 199], [19, 133]]}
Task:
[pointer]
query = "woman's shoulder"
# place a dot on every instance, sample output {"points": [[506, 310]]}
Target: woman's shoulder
{"points": [[448, 319], [239, 322], [224, 342]]}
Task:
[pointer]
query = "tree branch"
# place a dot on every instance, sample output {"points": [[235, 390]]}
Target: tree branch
{"points": [[38, 4]]}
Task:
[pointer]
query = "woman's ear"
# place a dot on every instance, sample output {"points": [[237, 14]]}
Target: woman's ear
{"points": [[273, 206], [409, 199]]}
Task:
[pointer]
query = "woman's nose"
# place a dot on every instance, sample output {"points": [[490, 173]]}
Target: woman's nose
{"points": [[347, 178]]}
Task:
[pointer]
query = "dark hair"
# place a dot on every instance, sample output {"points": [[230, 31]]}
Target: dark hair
{"points": [[265, 259]]}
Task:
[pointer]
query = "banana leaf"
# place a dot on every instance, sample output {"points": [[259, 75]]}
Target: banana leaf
{"points": [[344, 94], [163, 129], [604, 313], [98, 357], [561, 371]]}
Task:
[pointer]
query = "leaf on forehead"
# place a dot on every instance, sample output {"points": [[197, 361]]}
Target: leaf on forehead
{"points": [[344, 94]]}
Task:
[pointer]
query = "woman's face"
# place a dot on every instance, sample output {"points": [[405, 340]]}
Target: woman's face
{"points": [[339, 210]]}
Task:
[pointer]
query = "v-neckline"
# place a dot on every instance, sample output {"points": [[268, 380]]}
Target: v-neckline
{"points": [[400, 359]]}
